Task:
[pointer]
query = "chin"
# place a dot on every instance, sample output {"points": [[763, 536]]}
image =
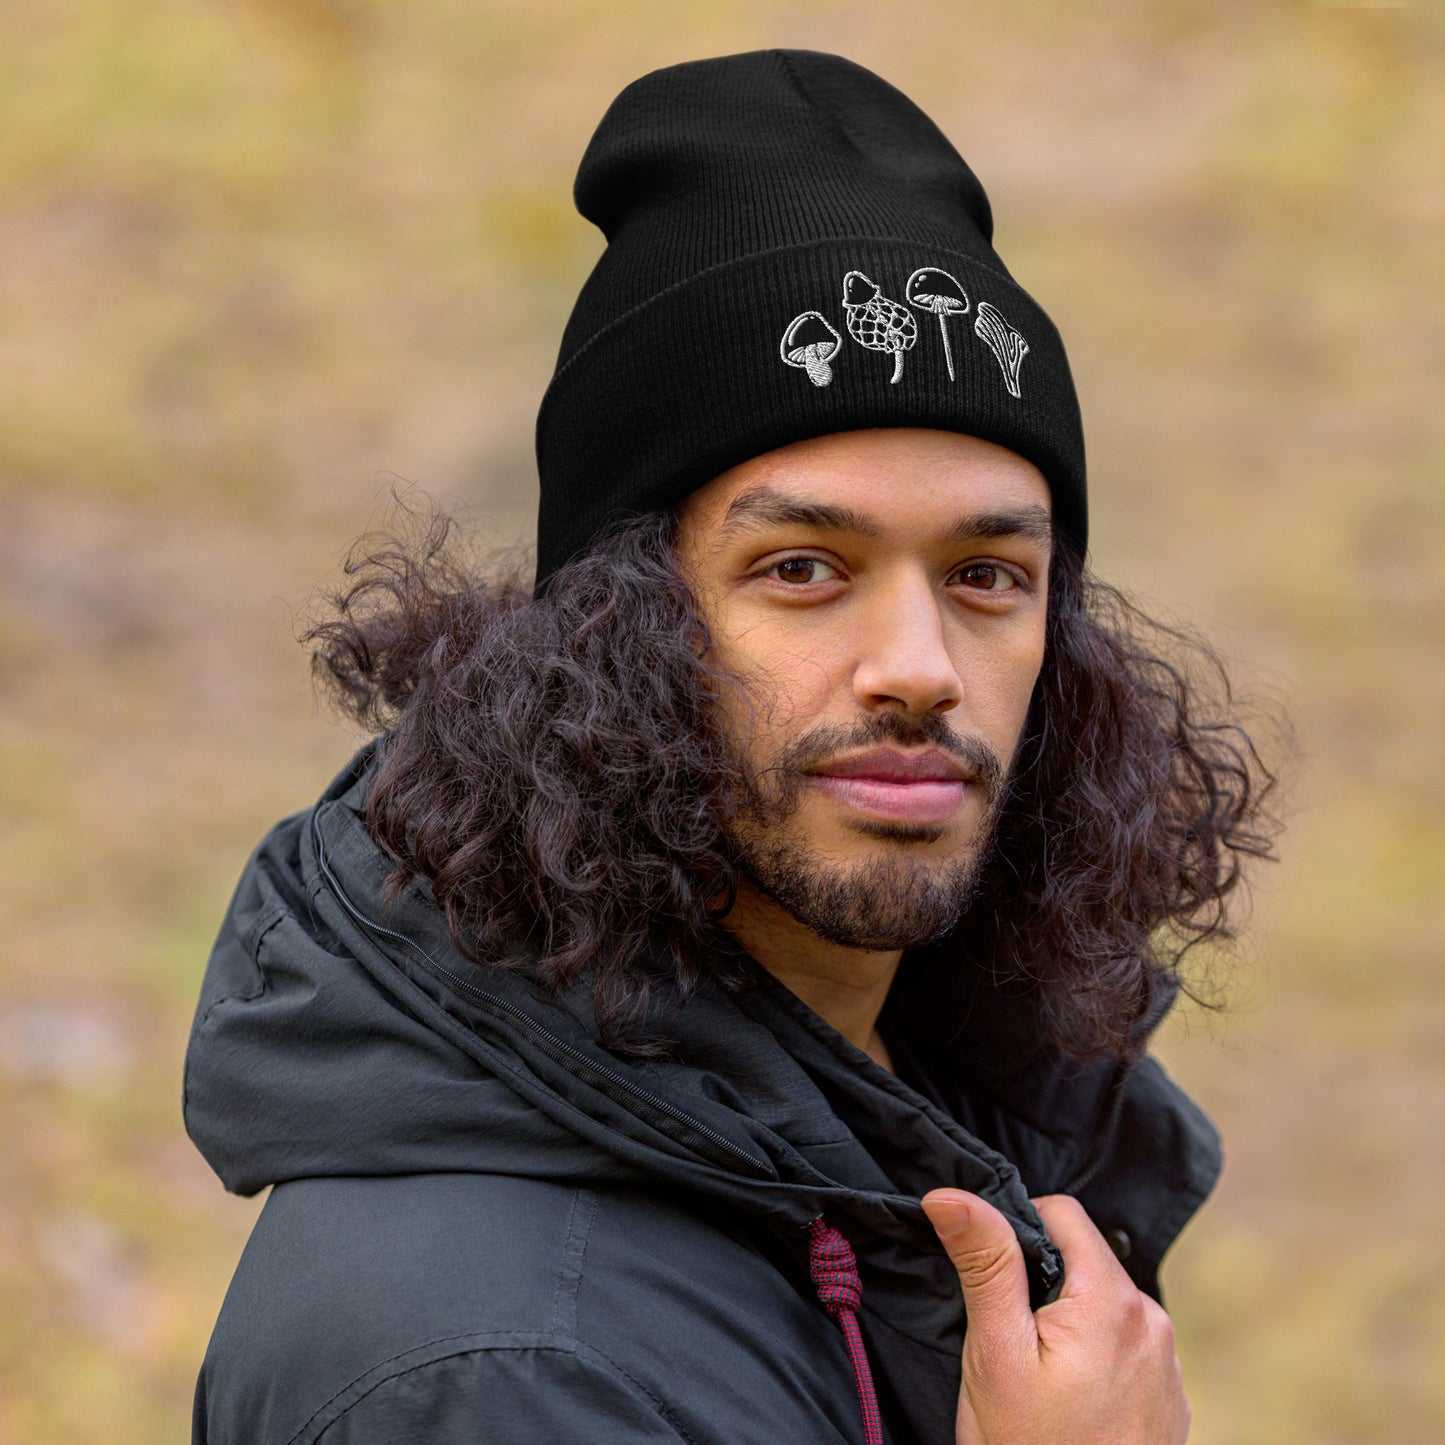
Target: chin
{"points": [[869, 895]]}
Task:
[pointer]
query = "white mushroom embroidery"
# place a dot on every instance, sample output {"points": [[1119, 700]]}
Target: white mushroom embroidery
{"points": [[933, 290], [1005, 343], [810, 342], [876, 322]]}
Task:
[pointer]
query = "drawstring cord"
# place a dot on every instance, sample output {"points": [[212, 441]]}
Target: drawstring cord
{"points": [[835, 1276]]}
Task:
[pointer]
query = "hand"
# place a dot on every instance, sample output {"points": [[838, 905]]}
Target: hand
{"points": [[1095, 1367]]}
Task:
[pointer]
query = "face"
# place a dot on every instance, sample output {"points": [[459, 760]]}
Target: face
{"points": [[880, 597]]}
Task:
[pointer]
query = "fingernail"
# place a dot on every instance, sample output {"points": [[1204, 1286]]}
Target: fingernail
{"points": [[953, 1208]]}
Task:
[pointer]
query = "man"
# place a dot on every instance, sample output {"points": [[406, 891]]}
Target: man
{"points": [[659, 1031]]}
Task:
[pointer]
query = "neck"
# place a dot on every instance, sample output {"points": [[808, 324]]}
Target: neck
{"points": [[845, 987]]}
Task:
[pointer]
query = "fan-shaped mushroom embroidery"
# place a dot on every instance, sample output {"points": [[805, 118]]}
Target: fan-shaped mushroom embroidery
{"points": [[876, 322], [933, 290], [810, 342], [1003, 341]]}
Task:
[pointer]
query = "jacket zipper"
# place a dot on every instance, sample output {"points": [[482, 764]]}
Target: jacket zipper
{"points": [[611, 1076]]}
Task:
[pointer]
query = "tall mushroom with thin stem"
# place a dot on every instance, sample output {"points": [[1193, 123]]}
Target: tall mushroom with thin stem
{"points": [[810, 342], [876, 322], [933, 290]]}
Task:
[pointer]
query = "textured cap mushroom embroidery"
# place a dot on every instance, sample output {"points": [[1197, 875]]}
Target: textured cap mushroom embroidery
{"points": [[810, 342], [1005, 343], [876, 322], [930, 289]]}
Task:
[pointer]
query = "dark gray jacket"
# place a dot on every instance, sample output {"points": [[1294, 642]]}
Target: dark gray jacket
{"points": [[484, 1227]]}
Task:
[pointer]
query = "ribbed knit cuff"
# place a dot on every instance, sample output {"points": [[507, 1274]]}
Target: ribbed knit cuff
{"points": [[698, 379]]}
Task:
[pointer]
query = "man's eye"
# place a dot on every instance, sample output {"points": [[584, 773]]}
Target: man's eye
{"points": [[799, 570], [984, 577]]}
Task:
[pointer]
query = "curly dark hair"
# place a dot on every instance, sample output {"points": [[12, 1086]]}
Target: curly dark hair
{"points": [[555, 772]]}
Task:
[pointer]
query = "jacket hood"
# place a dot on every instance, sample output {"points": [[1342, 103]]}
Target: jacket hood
{"points": [[338, 1034]]}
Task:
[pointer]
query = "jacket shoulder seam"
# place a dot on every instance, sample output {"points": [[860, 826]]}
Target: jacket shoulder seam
{"points": [[251, 942], [484, 1342], [265, 921]]}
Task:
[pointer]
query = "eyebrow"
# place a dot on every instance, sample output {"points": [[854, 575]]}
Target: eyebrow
{"points": [[1031, 521], [760, 507]]}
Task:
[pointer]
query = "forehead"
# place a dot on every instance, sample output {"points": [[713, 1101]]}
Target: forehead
{"points": [[889, 480]]}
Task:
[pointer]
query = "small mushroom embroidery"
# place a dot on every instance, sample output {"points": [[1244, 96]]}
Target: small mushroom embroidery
{"points": [[933, 290], [876, 322], [810, 342], [1003, 341]]}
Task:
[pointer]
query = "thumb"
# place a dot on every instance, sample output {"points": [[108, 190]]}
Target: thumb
{"points": [[984, 1250]]}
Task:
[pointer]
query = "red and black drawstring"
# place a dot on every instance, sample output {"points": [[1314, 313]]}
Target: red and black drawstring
{"points": [[835, 1276]]}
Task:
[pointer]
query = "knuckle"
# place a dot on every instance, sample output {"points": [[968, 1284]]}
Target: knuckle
{"points": [[985, 1267], [1133, 1313], [1158, 1323]]}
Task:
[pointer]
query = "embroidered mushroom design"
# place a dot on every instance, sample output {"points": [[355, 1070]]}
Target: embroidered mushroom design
{"points": [[810, 342], [930, 289], [1003, 341], [876, 322]]}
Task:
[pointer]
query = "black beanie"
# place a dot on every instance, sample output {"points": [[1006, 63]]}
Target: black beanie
{"points": [[794, 249]]}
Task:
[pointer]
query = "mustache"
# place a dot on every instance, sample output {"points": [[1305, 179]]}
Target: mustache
{"points": [[807, 753]]}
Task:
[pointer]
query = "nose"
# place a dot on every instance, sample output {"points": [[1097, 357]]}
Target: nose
{"points": [[903, 656]]}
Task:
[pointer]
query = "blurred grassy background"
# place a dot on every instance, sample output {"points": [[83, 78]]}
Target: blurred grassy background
{"points": [[260, 260]]}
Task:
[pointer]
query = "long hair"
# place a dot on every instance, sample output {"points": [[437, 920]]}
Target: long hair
{"points": [[553, 768]]}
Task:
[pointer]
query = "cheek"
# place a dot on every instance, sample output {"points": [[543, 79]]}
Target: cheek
{"points": [[781, 690], [1026, 683], [1024, 663], [998, 689]]}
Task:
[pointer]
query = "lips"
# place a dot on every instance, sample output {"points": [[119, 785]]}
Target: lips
{"points": [[890, 766], [920, 788]]}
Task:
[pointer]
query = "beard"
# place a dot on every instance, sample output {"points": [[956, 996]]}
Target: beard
{"points": [[899, 899]]}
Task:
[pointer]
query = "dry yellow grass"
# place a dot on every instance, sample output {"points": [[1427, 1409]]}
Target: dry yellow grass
{"points": [[259, 260]]}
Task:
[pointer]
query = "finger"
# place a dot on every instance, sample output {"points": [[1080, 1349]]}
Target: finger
{"points": [[1089, 1263], [984, 1250]]}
